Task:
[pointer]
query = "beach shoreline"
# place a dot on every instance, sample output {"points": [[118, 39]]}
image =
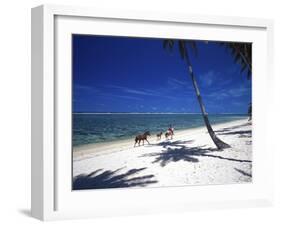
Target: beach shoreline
{"points": [[190, 158], [111, 146]]}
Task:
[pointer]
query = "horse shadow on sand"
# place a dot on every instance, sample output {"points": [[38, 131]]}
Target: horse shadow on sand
{"points": [[178, 151], [100, 179]]}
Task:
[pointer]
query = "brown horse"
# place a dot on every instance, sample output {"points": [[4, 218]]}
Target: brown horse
{"points": [[159, 135], [142, 137]]}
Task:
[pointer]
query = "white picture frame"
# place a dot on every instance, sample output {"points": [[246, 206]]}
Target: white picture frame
{"points": [[52, 197]]}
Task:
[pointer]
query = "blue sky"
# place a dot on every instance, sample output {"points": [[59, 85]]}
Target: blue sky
{"points": [[119, 74]]}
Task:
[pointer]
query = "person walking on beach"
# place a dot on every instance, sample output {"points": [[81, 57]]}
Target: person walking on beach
{"points": [[170, 132], [171, 129]]}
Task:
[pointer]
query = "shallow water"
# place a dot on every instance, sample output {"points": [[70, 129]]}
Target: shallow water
{"points": [[96, 128]]}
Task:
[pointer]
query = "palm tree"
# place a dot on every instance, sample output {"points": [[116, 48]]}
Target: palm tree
{"points": [[250, 111], [242, 54], [182, 45]]}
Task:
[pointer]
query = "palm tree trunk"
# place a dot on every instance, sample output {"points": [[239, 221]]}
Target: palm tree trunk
{"points": [[219, 143]]}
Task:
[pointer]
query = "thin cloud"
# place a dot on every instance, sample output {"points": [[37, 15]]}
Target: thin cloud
{"points": [[225, 82], [177, 81], [238, 92], [80, 88], [139, 92], [133, 91], [214, 78], [236, 103], [120, 96], [163, 93], [232, 92], [177, 84], [209, 78]]}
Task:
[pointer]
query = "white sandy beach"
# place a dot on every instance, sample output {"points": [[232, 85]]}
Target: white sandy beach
{"points": [[189, 159]]}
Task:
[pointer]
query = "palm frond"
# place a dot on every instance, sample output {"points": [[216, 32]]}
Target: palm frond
{"points": [[242, 54], [168, 44], [193, 47], [182, 49], [182, 46], [243, 67]]}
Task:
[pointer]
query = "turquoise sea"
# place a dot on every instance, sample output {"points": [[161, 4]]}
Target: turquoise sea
{"points": [[90, 128]]}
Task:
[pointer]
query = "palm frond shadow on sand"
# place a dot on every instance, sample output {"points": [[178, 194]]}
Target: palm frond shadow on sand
{"points": [[241, 133], [231, 128], [178, 151], [244, 173], [100, 179]]}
